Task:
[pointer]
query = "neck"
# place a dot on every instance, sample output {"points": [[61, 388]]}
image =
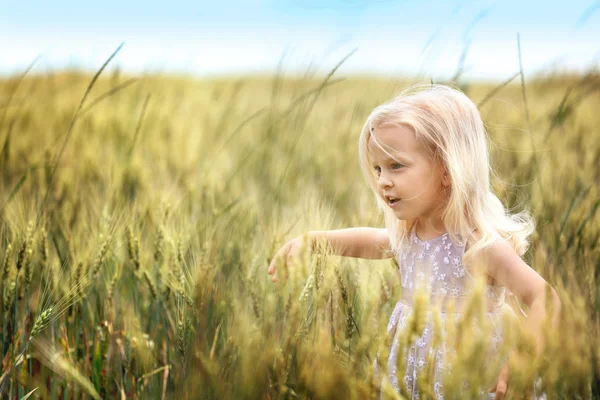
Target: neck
{"points": [[427, 228]]}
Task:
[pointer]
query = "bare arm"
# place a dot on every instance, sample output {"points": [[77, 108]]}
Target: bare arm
{"points": [[370, 243], [507, 268]]}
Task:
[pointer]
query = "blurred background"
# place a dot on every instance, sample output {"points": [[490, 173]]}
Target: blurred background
{"points": [[393, 37]]}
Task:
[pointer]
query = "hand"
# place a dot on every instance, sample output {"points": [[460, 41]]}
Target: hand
{"points": [[287, 254], [501, 385]]}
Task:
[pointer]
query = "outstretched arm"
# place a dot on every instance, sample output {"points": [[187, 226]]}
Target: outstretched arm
{"points": [[371, 243]]}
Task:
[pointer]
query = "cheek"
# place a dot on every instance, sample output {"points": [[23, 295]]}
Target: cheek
{"points": [[426, 184]]}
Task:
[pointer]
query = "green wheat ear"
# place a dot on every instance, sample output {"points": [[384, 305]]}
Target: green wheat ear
{"points": [[5, 270], [41, 322]]}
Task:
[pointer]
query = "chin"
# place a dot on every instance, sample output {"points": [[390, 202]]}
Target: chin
{"points": [[399, 214], [402, 214]]}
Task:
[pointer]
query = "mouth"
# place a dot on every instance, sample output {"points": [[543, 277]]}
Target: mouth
{"points": [[392, 201]]}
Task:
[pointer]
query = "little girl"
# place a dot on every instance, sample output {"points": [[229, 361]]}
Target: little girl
{"points": [[424, 155]]}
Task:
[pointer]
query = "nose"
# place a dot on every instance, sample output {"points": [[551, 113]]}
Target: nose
{"points": [[383, 181]]}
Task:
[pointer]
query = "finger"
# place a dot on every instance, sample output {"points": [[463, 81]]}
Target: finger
{"points": [[276, 261], [271, 268], [501, 390]]}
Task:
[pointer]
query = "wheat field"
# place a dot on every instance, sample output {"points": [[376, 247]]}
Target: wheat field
{"points": [[138, 215]]}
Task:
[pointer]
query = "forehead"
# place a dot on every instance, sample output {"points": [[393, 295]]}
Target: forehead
{"points": [[393, 140]]}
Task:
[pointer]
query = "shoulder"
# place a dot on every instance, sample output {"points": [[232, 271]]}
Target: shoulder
{"points": [[498, 249], [497, 256], [507, 268]]}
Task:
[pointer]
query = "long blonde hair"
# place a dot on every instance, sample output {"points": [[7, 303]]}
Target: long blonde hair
{"points": [[450, 127]]}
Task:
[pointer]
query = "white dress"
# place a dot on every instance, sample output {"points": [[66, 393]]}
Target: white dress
{"points": [[437, 265]]}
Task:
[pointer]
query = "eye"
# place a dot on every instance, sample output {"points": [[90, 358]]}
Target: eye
{"points": [[377, 169], [397, 165]]}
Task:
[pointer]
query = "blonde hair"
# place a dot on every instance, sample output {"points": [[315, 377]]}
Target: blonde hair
{"points": [[450, 127]]}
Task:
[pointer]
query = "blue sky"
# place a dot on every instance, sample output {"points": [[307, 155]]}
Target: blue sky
{"points": [[413, 37]]}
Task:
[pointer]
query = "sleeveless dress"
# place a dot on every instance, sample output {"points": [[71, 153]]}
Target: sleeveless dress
{"points": [[436, 265]]}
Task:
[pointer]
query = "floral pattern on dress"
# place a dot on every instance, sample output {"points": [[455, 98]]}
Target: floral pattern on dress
{"points": [[435, 264]]}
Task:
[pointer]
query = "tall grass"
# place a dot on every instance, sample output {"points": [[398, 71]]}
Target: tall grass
{"points": [[134, 241]]}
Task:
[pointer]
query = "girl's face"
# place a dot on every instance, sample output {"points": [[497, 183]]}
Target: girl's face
{"points": [[411, 184]]}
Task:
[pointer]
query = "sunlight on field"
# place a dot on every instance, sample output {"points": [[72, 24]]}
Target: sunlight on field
{"points": [[136, 229]]}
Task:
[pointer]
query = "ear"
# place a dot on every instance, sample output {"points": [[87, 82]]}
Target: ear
{"points": [[446, 179]]}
